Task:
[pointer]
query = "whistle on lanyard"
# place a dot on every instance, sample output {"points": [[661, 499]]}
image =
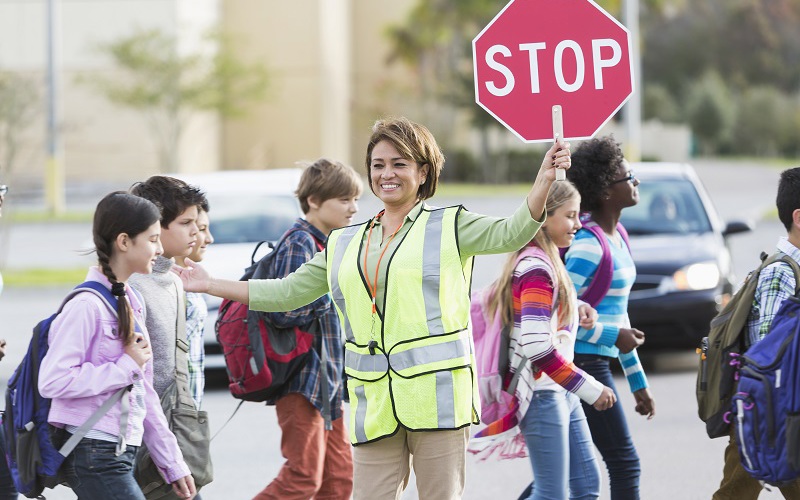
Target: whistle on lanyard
{"points": [[371, 346]]}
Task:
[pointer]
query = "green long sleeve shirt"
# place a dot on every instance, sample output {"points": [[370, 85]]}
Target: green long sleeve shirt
{"points": [[477, 235]]}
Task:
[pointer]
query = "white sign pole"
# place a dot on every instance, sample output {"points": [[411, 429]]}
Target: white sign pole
{"points": [[558, 133]]}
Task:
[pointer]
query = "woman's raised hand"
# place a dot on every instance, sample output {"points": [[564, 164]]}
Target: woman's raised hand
{"points": [[557, 157]]}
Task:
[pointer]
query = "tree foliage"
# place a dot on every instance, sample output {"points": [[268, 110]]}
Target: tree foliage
{"points": [[20, 102], [168, 86], [752, 46]]}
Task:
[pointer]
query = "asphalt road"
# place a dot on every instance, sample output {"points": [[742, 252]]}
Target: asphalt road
{"points": [[678, 460]]}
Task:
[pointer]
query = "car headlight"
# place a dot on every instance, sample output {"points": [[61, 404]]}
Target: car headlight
{"points": [[699, 276]]}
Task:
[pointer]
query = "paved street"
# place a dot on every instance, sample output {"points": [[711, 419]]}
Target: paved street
{"points": [[678, 461]]}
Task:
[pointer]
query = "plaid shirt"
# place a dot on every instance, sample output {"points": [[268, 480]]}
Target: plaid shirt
{"points": [[775, 284], [298, 248], [196, 314]]}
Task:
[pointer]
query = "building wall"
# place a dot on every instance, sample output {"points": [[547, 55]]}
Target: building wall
{"points": [[327, 63], [99, 140]]}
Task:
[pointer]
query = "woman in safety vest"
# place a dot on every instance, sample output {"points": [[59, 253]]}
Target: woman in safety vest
{"points": [[400, 283]]}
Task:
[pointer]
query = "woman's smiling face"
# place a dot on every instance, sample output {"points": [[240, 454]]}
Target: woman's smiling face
{"points": [[394, 179]]}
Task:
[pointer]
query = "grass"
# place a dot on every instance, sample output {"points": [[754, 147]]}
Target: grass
{"points": [[37, 277], [37, 217], [453, 190]]}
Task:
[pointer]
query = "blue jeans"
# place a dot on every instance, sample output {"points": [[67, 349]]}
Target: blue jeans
{"points": [[7, 489], [610, 433], [560, 448], [93, 471]]}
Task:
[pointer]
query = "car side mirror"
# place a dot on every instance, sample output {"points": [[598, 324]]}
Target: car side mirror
{"points": [[736, 227]]}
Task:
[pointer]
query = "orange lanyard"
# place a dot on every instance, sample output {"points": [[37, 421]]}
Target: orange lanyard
{"points": [[373, 287]]}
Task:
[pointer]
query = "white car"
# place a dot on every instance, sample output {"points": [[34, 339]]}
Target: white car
{"points": [[246, 207]]}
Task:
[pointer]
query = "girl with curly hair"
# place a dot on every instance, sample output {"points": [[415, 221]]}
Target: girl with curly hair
{"points": [[607, 185]]}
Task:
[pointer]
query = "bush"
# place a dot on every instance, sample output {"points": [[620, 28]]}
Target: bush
{"points": [[765, 123], [710, 112], [658, 104]]}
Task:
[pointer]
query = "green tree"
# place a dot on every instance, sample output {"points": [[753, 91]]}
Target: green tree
{"points": [[710, 112], [19, 104], [765, 122], [167, 86], [658, 104]]}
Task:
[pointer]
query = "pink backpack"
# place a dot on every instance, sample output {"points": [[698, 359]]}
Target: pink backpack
{"points": [[496, 387]]}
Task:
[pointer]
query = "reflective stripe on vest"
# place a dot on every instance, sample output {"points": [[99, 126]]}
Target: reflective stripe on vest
{"points": [[431, 253], [336, 292]]}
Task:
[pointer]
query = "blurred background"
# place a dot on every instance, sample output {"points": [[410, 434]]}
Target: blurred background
{"points": [[109, 90], [96, 94]]}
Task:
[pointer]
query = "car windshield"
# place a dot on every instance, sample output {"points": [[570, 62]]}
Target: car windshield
{"points": [[244, 218], [666, 206]]}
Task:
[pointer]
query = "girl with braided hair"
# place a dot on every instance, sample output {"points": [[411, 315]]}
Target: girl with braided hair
{"points": [[94, 353]]}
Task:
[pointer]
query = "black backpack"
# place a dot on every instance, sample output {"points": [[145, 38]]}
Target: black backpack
{"points": [[716, 376]]}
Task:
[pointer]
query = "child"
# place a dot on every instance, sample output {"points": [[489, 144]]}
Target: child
{"points": [[607, 185], [163, 293], [93, 354], [179, 204], [197, 310], [318, 461], [535, 294], [775, 284]]}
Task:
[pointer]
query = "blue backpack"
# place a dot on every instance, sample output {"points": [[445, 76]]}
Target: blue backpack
{"points": [[33, 458], [766, 407]]}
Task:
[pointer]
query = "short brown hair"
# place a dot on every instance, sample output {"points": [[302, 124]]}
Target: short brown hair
{"points": [[414, 142], [327, 179]]}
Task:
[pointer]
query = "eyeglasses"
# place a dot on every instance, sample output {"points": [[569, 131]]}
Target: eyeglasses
{"points": [[629, 178], [3, 189]]}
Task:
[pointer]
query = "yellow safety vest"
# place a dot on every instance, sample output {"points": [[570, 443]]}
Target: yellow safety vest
{"points": [[422, 374]]}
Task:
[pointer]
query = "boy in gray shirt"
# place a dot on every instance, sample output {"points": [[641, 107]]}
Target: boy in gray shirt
{"points": [[179, 209]]}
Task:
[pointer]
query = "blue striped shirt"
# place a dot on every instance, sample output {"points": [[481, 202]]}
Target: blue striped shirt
{"points": [[776, 283], [582, 260], [299, 248]]}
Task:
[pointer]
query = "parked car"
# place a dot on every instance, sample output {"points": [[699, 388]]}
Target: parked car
{"points": [[683, 263], [246, 207]]}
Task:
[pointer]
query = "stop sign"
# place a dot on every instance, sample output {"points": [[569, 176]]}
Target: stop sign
{"points": [[539, 53]]}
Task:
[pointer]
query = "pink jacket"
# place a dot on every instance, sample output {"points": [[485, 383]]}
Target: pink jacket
{"points": [[86, 364]]}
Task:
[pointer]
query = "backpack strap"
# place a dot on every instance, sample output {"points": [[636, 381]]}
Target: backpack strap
{"points": [[274, 246], [183, 398], [786, 259], [601, 281]]}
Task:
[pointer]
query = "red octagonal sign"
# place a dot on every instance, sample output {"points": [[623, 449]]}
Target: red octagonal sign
{"points": [[539, 53]]}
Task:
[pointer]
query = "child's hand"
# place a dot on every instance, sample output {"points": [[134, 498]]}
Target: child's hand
{"points": [[140, 350], [606, 400], [184, 487], [587, 316]]}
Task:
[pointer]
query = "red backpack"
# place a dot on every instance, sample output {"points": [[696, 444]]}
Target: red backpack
{"points": [[261, 358]]}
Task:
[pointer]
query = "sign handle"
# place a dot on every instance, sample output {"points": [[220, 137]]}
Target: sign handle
{"points": [[558, 133]]}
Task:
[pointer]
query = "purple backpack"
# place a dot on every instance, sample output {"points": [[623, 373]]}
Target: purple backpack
{"points": [[601, 282]]}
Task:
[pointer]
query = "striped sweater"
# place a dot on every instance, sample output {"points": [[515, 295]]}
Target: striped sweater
{"points": [[582, 260], [538, 337]]}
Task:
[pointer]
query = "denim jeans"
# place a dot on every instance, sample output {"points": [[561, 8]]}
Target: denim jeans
{"points": [[7, 489], [610, 433], [93, 471], [560, 448]]}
